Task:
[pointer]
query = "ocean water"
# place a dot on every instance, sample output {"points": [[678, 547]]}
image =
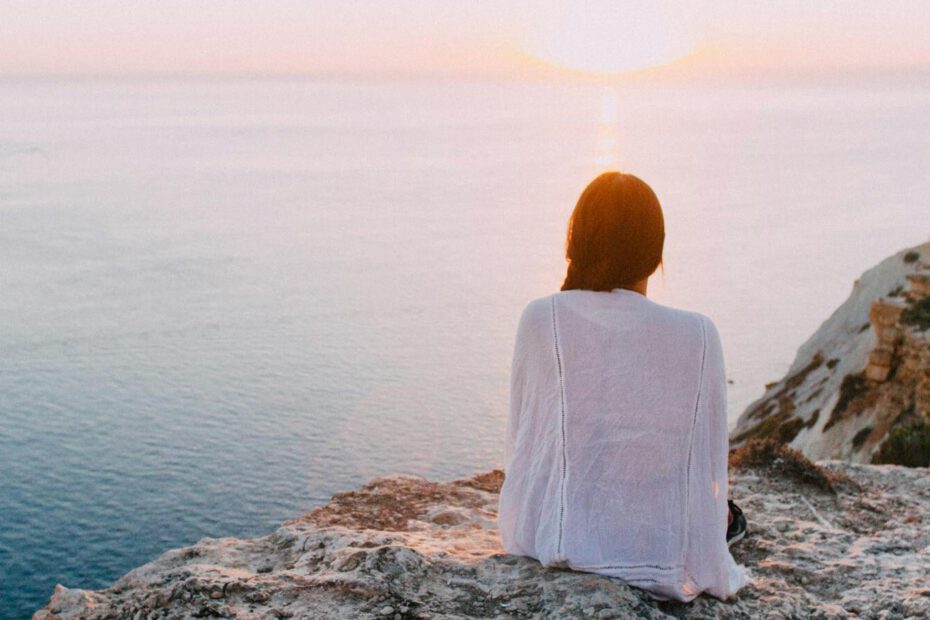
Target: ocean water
{"points": [[223, 301]]}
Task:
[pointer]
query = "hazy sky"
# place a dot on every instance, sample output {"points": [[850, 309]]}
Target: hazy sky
{"points": [[443, 36]]}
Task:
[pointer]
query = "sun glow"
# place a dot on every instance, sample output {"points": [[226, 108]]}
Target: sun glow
{"points": [[609, 37]]}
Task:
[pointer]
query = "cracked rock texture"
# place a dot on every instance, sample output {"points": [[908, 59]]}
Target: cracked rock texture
{"points": [[406, 547]]}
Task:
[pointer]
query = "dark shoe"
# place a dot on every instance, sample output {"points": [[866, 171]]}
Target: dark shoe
{"points": [[737, 529]]}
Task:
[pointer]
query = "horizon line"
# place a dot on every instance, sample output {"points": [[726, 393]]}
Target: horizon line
{"points": [[534, 74]]}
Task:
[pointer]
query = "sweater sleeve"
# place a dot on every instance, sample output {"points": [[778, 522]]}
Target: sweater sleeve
{"points": [[522, 508], [530, 330], [708, 563], [517, 383]]}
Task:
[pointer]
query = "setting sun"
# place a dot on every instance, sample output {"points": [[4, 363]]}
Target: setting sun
{"points": [[606, 37]]}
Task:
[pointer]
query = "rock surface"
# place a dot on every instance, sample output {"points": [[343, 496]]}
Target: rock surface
{"points": [[405, 547], [862, 374]]}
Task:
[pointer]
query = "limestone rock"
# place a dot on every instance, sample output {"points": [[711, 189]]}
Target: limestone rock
{"points": [[385, 551], [862, 374]]}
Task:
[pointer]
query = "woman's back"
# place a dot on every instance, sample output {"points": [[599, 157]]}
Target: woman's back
{"points": [[616, 443]]}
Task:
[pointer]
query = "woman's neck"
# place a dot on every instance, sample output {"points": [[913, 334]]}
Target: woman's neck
{"points": [[640, 287]]}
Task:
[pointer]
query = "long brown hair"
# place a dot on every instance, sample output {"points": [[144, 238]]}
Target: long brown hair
{"points": [[615, 234]]}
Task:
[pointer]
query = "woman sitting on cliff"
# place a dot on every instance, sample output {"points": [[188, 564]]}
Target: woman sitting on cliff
{"points": [[616, 442]]}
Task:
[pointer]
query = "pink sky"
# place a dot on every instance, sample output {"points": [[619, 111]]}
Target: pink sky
{"points": [[372, 37]]}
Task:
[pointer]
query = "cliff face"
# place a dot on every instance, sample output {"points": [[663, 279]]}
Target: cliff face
{"points": [[863, 376], [406, 547]]}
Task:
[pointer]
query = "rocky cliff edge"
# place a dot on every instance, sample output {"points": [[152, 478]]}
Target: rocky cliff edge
{"points": [[836, 541], [859, 388]]}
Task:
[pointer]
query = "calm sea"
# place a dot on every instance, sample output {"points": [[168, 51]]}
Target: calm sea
{"points": [[223, 301]]}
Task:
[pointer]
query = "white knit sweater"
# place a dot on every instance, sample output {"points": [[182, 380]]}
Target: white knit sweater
{"points": [[616, 444]]}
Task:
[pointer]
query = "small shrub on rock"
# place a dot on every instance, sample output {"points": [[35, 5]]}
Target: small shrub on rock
{"points": [[778, 460], [906, 445], [853, 386], [918, 313]]}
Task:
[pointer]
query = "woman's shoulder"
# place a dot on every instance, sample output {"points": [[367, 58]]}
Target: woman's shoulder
{"points": [[701, 329], [690, 316], [697, 321], [646, 304], [540, 309]]}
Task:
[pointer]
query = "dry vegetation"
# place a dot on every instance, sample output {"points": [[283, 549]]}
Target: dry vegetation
{"points": [[777, 460]]}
